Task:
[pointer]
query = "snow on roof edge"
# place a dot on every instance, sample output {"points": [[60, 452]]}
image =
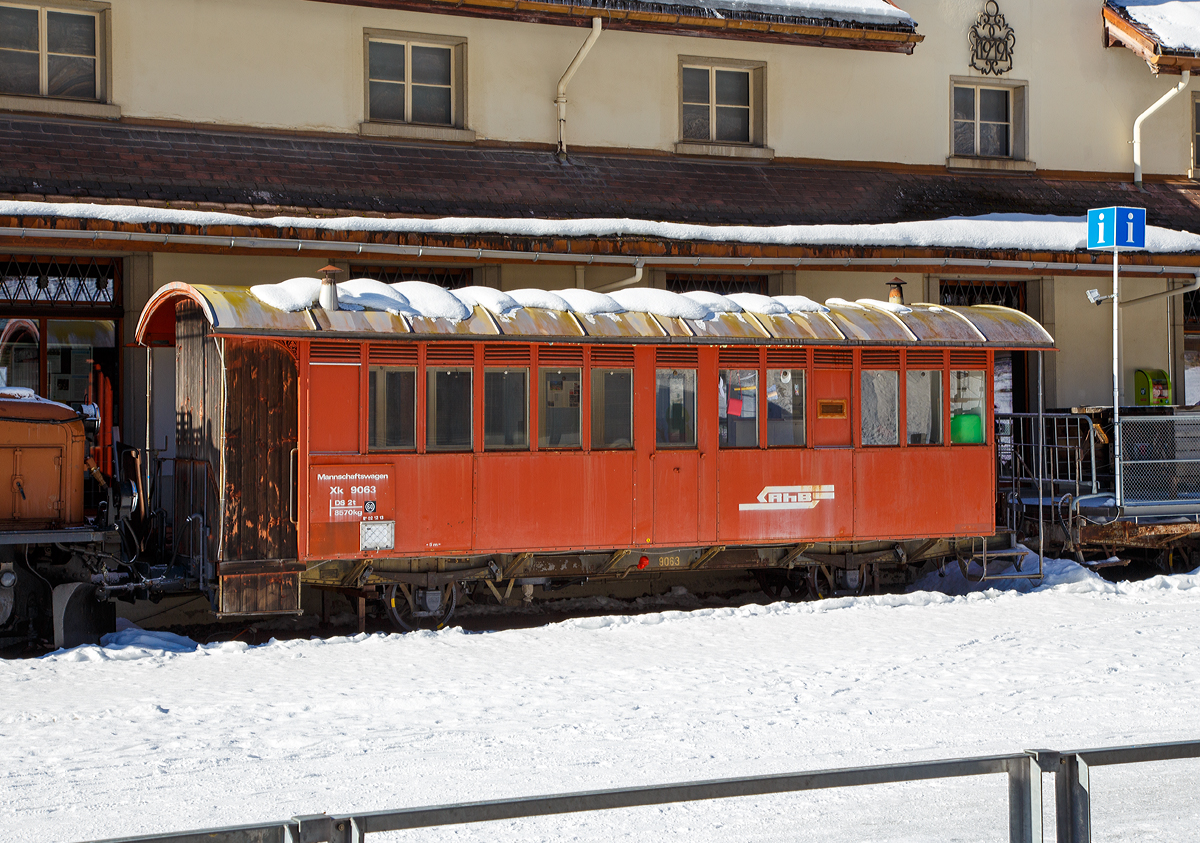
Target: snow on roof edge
{"points": [[1021, 232]]}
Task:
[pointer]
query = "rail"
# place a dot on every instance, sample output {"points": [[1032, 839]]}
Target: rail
{"points": [[1024, 771], [1160, 461], [1068, 448]]}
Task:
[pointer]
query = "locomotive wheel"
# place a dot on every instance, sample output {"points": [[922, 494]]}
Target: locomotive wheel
{"points": [[400, 610]]}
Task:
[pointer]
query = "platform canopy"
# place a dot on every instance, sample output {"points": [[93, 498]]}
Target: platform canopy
{"points": [[370, 309]]}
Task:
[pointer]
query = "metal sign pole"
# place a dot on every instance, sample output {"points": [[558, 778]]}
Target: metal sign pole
{"points": [[1116, 340]]}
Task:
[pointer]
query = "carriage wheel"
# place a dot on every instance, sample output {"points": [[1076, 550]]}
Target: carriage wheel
{"points": [[400, 610]]}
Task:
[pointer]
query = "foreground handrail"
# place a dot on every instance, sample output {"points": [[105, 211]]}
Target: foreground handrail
{"points": [[1024, 771]]}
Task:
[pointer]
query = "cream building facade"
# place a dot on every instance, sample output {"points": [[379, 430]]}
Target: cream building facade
{"points": [[813, 115]]}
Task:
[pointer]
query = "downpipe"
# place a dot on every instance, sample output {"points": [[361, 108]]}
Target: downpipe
{"points": [[1137, 125], [561, 99]]}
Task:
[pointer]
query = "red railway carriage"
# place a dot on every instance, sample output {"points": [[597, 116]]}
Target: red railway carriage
{"points": [[415, 455]]}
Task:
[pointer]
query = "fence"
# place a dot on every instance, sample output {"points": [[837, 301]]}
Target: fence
{"points": [[1024, 770], [1160, 459]]}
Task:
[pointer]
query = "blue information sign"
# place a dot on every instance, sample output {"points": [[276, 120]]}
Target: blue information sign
{"points": [[1117, 228]]}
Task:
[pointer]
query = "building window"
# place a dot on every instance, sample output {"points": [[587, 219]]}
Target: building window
{"points": [[721, 102], [415, 79], [987, 121], [49, 52], [982, 121], [1196, 133]]}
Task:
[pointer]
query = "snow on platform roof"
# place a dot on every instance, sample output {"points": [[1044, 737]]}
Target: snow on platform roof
{"points": [[848, 11], [410, 310], [1017, 232]]}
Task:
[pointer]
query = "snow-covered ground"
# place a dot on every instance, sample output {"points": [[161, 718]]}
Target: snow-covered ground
{"points": [[155, 733]]}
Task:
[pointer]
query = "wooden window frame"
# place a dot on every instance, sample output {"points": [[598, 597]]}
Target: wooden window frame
{"points": [[98, 106], [756, 146], [455, 129], [1018, 125]]}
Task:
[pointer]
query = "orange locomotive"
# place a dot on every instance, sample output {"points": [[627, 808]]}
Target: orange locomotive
{"points": [[390, 453]]}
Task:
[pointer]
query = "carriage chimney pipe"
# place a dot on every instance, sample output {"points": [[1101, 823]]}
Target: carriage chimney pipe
{"points": [[896, 291], [328, 298]]}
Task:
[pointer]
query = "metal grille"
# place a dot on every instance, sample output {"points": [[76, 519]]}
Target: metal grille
{"points": [[78, 282], [1191, 304], [1160, 459], [452, 278], [376, 535], [682, 282], [957, 293]]}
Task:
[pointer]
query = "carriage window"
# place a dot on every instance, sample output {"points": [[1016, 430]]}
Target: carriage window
{"points": [[505, 409], [675, 410], [448, 410], [880, 407], [968, 392], [392, 408], [612, 408], [785, 408], [737, 408], [558, 416], [924, 400]]}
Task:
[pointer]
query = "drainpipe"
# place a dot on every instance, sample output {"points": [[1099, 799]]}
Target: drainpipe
{"points": [[561, 99], [624, 282], [1137, 126], [1190, 287]]}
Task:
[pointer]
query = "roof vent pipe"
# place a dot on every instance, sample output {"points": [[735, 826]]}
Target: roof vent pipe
{"points": [[328, 299], [1137, 125], [896, 291], [561, 99]]}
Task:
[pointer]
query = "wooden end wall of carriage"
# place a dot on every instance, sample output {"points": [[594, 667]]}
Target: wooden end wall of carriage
{"points": [[301, 484]]}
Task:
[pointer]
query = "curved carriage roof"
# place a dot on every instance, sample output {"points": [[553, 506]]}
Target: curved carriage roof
{"points": [[648, 316]]}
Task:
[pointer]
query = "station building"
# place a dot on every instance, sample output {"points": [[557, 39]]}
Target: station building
{"points": [[815, 147]]}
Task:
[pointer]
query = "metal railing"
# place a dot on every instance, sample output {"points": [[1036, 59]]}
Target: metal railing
{"points": [[1024, 771], [1160, 459], [1068, 448]]}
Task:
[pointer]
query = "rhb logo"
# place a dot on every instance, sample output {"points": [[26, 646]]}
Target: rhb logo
{"points": [[789, 497]]}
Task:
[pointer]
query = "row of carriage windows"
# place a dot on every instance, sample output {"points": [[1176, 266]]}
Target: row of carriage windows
{"points": [[740, 401]]}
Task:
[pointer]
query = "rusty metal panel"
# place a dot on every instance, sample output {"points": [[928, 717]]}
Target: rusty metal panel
{"points": [[1005, 327], [934, 323], [628, 324], [233, 308], [866, 324], [478, 323], [359, 321], [728, 325], [538, 322], [801, 326]]}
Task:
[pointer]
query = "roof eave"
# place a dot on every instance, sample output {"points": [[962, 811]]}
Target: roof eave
{"points": [[1120, 31], [866, 37]]}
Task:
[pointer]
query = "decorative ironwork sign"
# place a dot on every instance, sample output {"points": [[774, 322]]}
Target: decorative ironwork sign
{"points": [[992, 41]]}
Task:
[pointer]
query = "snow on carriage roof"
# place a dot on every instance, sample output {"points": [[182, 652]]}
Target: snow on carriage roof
{"points": [[370, 309], [1021, 232], [1175, 24]]}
